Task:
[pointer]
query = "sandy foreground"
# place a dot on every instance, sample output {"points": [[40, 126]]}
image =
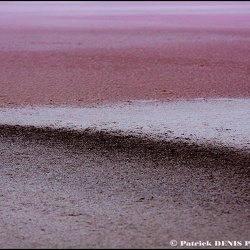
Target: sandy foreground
{"points": [[62, 190], [124, 125]]}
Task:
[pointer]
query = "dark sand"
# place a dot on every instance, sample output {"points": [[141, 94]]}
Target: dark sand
{"points": [[66, 190]]}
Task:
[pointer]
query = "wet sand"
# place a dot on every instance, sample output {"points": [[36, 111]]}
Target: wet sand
{"points": [[62, 189], [175, 69]]}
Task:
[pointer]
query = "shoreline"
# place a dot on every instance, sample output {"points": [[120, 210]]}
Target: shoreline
{"points": [[219, 122], [143, 145]]}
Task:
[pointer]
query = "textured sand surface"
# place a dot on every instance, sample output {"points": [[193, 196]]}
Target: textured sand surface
{"points": [[58, 193], [94, 189]]}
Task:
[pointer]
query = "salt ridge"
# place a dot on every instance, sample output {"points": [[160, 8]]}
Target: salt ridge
{"points": [[221, 121]]}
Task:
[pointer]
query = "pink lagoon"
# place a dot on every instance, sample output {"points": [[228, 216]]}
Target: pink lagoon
{"points": [[124, 124]]}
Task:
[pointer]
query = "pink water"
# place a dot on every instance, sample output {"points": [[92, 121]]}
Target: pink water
{"points": [[84, 52]]}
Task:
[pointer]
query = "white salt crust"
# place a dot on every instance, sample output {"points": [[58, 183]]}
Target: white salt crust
{"points": [[221, 121]]}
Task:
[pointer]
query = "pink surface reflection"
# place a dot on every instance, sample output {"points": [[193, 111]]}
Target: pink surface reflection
{"points": [[119, 14], [89, 51]]}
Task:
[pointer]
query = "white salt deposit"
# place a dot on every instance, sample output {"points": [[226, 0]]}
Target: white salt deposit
{"points": [[221, 121]]}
